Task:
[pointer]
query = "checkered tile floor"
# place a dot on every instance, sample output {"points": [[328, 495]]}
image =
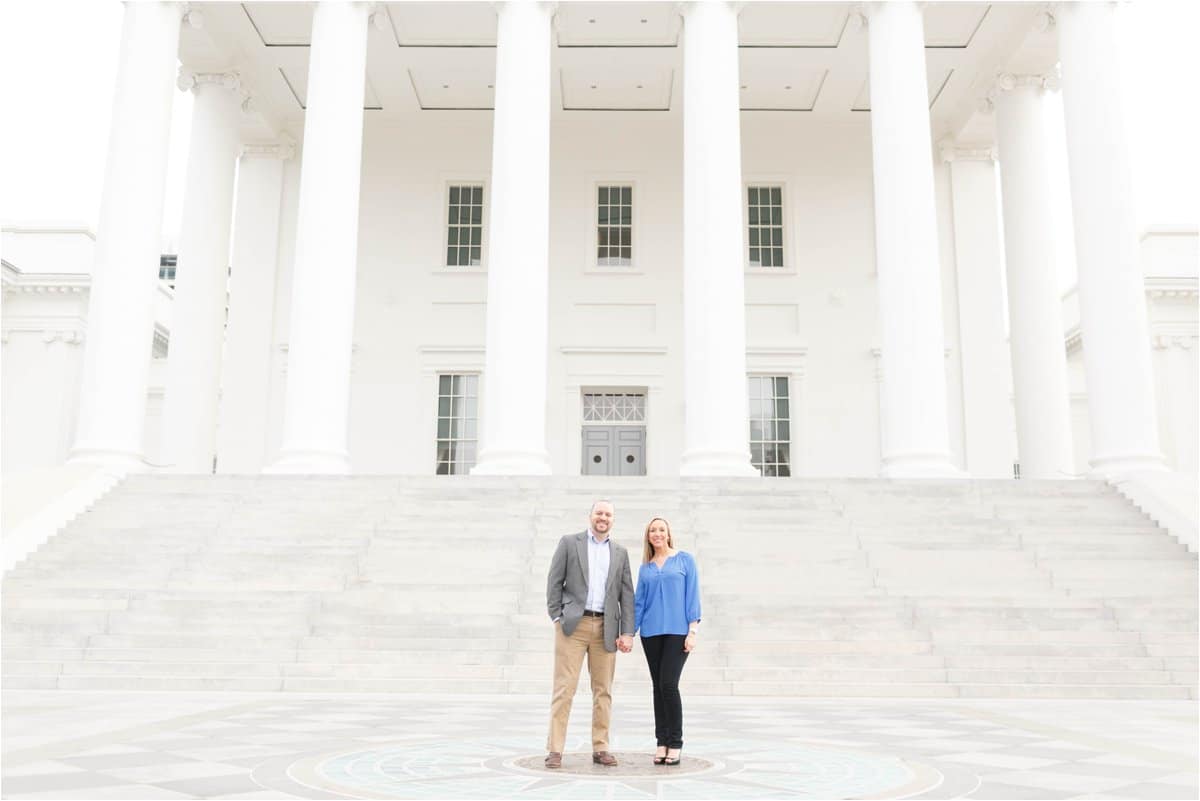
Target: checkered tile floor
{"points": [[207, 745]]}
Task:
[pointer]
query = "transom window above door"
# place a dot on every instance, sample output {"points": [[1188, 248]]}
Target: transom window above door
{"points": [[614, 226], [614, 407]]}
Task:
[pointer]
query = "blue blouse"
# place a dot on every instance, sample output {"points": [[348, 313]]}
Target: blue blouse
{"points": [[667, 598]]}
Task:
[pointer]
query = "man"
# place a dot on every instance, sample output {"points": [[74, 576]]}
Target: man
{"points": [[589, 595]]}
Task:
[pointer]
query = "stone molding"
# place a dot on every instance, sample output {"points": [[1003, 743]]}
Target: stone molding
{"points": [[284, 151], [1182, 341], [951, 151], [1009, 82]]}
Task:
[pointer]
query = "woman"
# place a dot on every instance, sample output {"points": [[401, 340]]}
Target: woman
{"points": [[667, 613]]}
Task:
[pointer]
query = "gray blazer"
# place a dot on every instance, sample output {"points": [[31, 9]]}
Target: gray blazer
{"points": [[567, 588]]}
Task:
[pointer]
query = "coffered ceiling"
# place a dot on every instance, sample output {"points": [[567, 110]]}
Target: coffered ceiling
{"points": [[439, 57]]}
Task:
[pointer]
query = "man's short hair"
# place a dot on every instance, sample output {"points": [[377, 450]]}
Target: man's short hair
{"points": [[600, 501]]}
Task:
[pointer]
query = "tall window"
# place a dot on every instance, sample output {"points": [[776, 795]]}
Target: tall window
{"points": [[770, 425], [167, 263], [765, 219], [464, 235], [614, 226], [457, 424]]}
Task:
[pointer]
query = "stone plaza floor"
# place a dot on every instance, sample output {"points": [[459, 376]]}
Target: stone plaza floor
{"points": [[62, 744]]}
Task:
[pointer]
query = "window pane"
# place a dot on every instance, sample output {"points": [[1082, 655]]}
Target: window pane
{"points": [[453, 236], [443, 427], [776, 196], [603, 195], [476, 215], [603, 215], [766, 257], [778, 257], [754, 215], [753, 237], [626, 215], [602, 237], [777, 236], [453, 215], [776, 216], [783, 428], [627, 195], [476, 235], [754, 258], [477, 195], [625, 232], [753, 193], [781, 386], [455, 383], [454, 194], [626, 254], [476, 255], [781, 409]]}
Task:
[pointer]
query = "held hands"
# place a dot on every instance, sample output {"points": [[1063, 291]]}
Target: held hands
{"points": [[625, 643], [689, 642]]}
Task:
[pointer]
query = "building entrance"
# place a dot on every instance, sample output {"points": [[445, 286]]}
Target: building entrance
{"points": [[614, 434]]}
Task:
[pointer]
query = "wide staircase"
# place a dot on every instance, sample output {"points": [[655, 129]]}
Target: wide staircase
{"points": [[810, 587]]}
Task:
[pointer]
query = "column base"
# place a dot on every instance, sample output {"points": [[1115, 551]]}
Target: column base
{"points": [[310, 463], [919, 465], [118, 461], [512, 463], [717, 463], [1116, 467]]}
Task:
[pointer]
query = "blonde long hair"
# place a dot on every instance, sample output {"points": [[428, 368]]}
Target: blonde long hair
{"points": [[647, 548]]}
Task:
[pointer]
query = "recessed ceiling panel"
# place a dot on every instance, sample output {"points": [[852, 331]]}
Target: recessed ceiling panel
{"points": [[296, 78], [936, 79], [617, 25], [281, 24], [454, 88], [792, 24], [443, 24], [617, 87], [772, 79], [953, 24]]}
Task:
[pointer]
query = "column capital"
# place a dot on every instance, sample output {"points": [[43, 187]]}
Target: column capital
{"points": [[227, 79], [283, 150], [952, 151], [865, 10], [192, 16], [1006, 83]]}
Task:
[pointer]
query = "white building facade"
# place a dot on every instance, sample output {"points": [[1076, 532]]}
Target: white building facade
{"points": [[628, 239]]}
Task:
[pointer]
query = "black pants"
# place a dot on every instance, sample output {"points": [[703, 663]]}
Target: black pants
{"points": [[665, 656]]}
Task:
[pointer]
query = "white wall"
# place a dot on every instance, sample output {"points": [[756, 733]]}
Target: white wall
{"points": [[816, 319]]}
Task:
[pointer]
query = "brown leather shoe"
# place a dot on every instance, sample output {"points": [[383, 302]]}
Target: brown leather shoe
{"points": [[554, 759], [604, 758]]}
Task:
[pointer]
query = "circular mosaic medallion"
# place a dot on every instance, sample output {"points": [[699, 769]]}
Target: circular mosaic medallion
{"points": [[630, 765], [504, 768]]}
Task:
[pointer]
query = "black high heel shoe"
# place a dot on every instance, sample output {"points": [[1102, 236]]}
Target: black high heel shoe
{"points": [[660, 760], [672, 760]]}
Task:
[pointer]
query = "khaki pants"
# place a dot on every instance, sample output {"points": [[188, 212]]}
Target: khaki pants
{"points": [[588, 638]]}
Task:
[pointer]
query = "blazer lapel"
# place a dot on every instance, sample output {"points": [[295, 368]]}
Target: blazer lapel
{"points": [[581, 547], [614, 568]]}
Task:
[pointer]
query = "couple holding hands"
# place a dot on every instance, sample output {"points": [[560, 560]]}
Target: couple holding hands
{"points": [[590, 598]]}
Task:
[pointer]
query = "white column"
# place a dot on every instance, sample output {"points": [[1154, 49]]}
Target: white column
{"points": [[116, 359], [1112, 305], [915, 423], [716, 427], [1039, 355], [246, 366], [513, 424], [990, 447], [198, 311], [316, 406]]}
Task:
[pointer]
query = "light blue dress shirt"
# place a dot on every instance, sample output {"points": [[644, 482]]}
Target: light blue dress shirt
{"points": [[599, 556], [668, 597]]}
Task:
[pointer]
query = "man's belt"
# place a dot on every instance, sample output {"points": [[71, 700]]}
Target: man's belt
{"points": [[590, 613]]}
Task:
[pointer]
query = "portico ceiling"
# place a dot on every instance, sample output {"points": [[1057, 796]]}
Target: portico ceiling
{"points": [[429, 57]]}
